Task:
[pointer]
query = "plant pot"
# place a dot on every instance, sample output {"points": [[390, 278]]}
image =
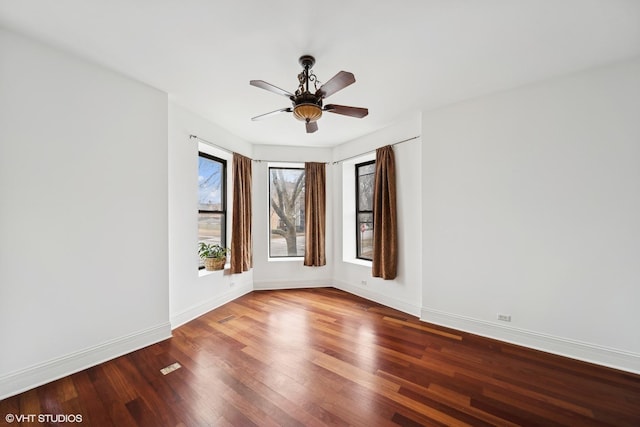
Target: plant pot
{"points": [[212, 264]]}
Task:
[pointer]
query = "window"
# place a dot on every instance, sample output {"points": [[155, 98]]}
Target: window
{"points": [[365, 173], [286, 215], [212, 200]]}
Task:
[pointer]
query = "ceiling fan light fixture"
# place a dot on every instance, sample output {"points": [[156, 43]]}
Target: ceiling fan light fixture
{"points": [[307, 112]]}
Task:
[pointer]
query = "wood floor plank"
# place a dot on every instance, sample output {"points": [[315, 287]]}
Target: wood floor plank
{"points": [[314, 357], [423, 328], [93, 410], [558, 412]]}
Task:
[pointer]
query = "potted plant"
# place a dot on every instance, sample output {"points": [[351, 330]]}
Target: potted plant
{"points": [[214, 255]]}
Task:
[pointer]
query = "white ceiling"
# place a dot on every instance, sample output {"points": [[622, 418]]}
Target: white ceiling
{"points": [[407, 55]]}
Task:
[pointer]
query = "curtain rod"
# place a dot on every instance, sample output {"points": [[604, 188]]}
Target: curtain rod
{"points": [[280, 161], [373, 151], [255, 160], [210, 143], [286, 161]]}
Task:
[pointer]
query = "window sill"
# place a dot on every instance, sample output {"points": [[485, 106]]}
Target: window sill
{"points": [[358, 261], [286, 259], [204, 272]]}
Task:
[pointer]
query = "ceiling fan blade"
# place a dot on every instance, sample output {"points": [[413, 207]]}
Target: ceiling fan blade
{"points": [[312, 127], [346, 111], [336, 83], [272, 113], [271, 88]]}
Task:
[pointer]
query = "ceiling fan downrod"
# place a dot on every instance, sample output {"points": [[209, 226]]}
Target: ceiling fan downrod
{"points": [[307, 106], [307, 75]]}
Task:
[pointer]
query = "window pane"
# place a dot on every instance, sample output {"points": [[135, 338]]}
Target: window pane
{"points": [[286, 215], [365, 235], [210, 182], [366, 176], [210, 228], [367, 169]]}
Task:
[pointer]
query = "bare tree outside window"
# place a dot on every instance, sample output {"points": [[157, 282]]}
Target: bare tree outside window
{"points": [[286, 219]]}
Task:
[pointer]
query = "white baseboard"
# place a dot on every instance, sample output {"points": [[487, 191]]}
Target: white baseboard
{"points": [[208, 305], [587, 352], [386, 300], [37, 375], [290, 284]]}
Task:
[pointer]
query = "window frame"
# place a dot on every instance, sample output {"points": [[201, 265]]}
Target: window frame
{"points": [[359, 211], [223, 201], [294, 166]]}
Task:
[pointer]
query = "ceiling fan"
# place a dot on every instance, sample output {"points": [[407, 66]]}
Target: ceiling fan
{"points": [[307, 105]]}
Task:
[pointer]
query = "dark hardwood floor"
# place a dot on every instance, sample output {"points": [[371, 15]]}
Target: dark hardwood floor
{"points": [[324, 357]]}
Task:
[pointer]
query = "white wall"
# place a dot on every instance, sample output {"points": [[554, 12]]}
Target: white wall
{"points": [[83, 217], [195, 292], [403, 293], [531, 201], [281, 274]]}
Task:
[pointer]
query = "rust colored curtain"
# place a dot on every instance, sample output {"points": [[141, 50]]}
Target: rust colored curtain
{"points": [[241, 241], [385, 218], [314, 214]]}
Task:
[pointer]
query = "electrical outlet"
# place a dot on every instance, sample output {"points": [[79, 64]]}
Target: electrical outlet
{"points": [[504, 317], [363, 282]]}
